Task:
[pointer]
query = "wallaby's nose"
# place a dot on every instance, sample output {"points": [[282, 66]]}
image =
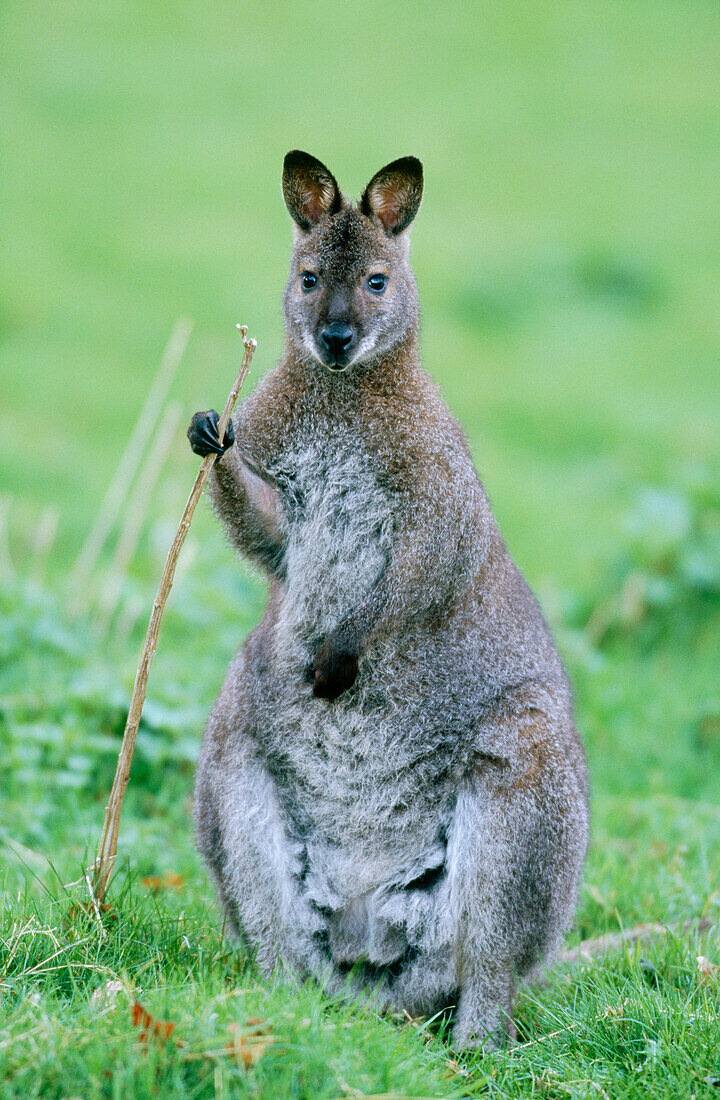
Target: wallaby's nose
{"points": [[337, 339]]}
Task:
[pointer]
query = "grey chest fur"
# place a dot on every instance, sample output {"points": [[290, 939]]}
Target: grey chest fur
{"points": [[339, 537]]}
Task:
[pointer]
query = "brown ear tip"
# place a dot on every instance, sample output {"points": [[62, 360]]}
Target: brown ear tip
{"points": [[296, 158], [410, 166]]}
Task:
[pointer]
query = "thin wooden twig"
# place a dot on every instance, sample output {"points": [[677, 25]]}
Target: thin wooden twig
{"points": [[107, 848], [127, 467]]}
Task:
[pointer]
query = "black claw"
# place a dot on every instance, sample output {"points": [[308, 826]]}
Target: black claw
{"points": [[203, 434], [203, 442]]}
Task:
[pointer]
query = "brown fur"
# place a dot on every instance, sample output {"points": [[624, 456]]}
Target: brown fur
{"points": [[391, 776]]}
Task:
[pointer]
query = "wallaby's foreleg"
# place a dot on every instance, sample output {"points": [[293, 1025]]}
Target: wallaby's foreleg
{"points": [[244, 495]]}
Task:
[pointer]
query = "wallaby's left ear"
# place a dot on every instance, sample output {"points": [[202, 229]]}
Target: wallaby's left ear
{"points": [[393, 194]]}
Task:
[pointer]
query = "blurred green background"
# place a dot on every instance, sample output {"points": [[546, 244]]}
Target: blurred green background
{"points": [[567, 254], [567, 251]]}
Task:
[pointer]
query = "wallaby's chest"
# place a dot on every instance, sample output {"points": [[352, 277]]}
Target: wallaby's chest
{"points": [[340, 528]]}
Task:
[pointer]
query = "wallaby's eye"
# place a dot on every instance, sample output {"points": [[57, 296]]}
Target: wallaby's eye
{"points": [[309, 280], [377, 282]]}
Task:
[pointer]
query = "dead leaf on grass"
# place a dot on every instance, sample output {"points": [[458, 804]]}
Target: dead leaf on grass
{"points": [[455, 1069], [615, 1012], [246, 1046], [152, 1028], [106, 995], [249, 1046], [169, 881], [707, 971]]}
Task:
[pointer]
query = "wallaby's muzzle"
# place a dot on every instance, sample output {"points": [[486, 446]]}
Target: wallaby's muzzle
{"points": [[337, 342]]}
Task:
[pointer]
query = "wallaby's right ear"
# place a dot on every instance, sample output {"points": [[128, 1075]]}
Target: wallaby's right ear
{"points": [[309, 190]]}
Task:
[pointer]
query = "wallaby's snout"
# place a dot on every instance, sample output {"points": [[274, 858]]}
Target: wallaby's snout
{"points": [[351, 294], [338, 340]]}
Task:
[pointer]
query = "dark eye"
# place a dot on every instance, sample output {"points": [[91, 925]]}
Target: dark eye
{"points": [[309, 281], [377, 282]]}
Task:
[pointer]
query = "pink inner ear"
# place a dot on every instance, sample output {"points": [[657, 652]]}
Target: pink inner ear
{"points": [[387, 199]]}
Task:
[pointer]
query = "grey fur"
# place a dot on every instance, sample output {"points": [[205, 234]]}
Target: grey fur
{"points": [[425, 826]]}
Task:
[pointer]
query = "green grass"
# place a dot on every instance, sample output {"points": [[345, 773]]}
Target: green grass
{"points": [[642, 1023], [568, 260]]}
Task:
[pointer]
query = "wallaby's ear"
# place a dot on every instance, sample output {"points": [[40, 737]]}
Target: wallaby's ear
{"points": [[394, 193], [309, 190]]}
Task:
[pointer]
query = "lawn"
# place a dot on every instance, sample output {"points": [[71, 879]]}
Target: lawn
{"points": [[568, 260]]}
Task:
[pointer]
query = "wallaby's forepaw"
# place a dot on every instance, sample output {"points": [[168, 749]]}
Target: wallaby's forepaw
{"points": [[203, 434], [335, 670]]}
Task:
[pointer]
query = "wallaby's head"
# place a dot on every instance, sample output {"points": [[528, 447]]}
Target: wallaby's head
{"points": [[351, 294]]}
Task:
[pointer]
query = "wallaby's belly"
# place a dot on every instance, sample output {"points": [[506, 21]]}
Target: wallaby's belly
{"points": [[368, 782]]}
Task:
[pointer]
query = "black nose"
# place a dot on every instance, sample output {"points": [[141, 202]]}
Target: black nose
{"points": [[337, 339]]}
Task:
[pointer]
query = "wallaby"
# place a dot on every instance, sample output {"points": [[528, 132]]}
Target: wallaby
{"points": [[391, 791]]}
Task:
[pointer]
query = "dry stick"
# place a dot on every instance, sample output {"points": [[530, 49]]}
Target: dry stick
{"points": [[107, 848], [127, 467], [592, 950]]}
